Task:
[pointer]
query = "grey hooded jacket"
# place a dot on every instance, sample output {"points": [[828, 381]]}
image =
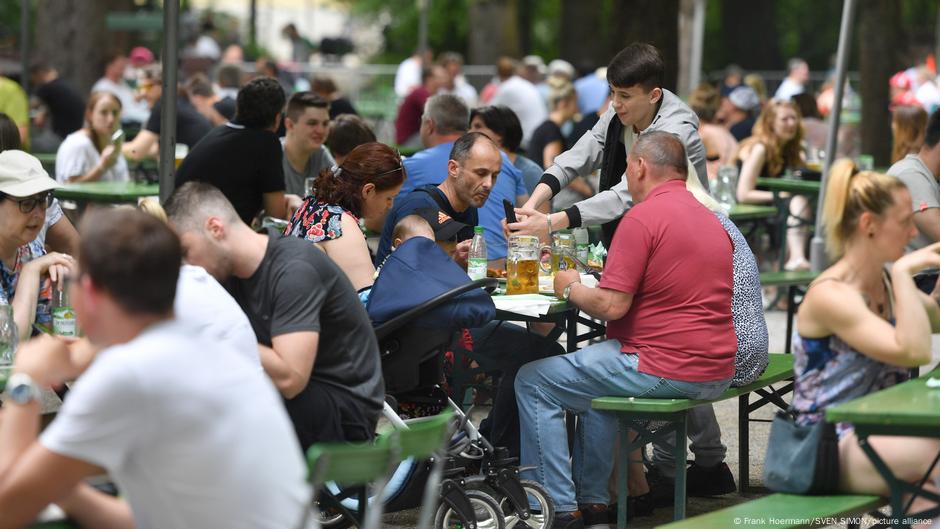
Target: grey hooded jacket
{"points": [[591, 152]]}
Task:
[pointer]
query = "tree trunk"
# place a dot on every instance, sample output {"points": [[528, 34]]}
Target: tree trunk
{"points": [[581, 34], [686, 45], [73, 37], [749, 29], [652, 21], [879, 38], [494, 31]]}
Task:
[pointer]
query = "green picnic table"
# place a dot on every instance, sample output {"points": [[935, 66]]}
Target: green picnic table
{"points": [[910, 409], [107, 192], [789, 185], [750, 212]]}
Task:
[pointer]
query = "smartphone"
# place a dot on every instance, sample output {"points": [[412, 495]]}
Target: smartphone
{"points": [[510, 211], [118, 136]]}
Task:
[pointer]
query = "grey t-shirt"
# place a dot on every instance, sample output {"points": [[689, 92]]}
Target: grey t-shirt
{"points": [[298, 288], [294, 181], [925, 191]]}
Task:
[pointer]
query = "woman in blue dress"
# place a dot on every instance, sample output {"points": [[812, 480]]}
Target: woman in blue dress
{"points": [[861, 328]]}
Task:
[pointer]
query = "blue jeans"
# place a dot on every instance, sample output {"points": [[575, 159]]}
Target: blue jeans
{"points": [[546, 388]]}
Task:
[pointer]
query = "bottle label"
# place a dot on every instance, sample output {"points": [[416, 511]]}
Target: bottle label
{"points": [[476, 268], [63, 321]]}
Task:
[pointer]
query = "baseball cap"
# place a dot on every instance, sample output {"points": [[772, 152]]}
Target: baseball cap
{"points": [[445, 228], [536, 62], [744, 97], [140, 56], [22, 175], [561, 67]]}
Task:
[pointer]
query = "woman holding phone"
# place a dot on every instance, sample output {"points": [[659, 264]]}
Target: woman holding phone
{"points": [[93, 153]]}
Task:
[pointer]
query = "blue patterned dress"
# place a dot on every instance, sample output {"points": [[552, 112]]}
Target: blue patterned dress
{"points": [[9, 278], [829, 372]]}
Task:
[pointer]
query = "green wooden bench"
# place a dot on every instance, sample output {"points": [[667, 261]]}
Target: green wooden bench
{"points": [[792, 281], [784, 511], [631, 410]]}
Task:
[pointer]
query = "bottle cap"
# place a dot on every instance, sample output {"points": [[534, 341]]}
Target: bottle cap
{"points": [[478, 229]]}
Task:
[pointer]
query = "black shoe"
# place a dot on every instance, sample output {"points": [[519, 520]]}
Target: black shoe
{"points": [[662, 488], [709, 481], [594, 515], [636, 506], [568, 520]]}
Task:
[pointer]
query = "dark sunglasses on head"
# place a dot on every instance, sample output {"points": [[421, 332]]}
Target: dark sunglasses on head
{"points": [[28, 204]]}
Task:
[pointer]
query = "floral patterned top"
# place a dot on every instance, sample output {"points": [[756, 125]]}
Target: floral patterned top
{"points": [[317, 221], [8, 280], [829, 372]]}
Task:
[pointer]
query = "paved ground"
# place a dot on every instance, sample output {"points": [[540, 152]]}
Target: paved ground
{"points": [[727, 413]]}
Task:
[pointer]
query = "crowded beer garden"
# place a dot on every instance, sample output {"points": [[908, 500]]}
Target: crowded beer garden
{"points": [[470, 264]]}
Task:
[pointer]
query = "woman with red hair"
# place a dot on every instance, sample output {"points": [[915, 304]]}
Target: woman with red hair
{"points": [[363, 187]]}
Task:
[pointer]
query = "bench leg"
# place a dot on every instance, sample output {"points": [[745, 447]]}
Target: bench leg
{"points": [[791, 310], [623, 467], [680, 455], [744, 439]]}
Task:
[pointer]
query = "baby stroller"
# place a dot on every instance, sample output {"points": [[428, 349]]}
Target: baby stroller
{"points": [[481, 486]]}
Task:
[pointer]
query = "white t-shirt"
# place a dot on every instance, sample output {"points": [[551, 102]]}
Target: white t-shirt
{"points": [[787, 89], [523, 98], [203, 304], [192, 435], [407, 77], [77, 155]]}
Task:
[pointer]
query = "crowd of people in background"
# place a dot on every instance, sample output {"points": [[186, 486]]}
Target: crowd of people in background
{"points": [[568, 147]]}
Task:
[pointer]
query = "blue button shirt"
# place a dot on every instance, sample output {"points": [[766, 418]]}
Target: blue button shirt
{"points": [[429, 167]]}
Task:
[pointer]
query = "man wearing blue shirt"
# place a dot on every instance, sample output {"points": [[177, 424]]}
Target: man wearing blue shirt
{"points": [[445, 119]]}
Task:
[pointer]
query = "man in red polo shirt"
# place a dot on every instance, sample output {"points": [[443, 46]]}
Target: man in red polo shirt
{"points": [[666, 295]]}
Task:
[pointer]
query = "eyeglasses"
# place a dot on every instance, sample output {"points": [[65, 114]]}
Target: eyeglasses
{"points": [[27, 205]]}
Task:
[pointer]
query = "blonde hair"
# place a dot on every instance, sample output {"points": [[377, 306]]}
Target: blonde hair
{"points": [[756, 82], [779, 155], [849, 193], [910, 124], [152, 208], [559, 90]]}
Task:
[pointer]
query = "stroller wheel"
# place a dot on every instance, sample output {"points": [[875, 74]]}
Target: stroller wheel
{"points": [[487, 512], [539, 518]]}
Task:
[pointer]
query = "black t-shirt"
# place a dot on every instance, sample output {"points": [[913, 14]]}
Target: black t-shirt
{"points": [[425, 197], [544, 134], [743, 129], [191, 126], [225, 107], [298, 288], [341, 106], [243, 163], [66, 106], [581, 128]]}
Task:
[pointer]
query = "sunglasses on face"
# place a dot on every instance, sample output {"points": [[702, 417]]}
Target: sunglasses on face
{"points": [[27, 205]]}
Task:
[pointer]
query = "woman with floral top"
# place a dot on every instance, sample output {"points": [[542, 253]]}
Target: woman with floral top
{"points": [[363, 187], [25, 193]]}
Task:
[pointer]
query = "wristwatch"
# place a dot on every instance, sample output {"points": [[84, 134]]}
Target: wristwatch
{"points": [[566, 293], [21, 389]]}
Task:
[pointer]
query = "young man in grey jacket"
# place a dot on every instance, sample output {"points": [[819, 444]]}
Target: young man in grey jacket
{"points": [[640, 105]]}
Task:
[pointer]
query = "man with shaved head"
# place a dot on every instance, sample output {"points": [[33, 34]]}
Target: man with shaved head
{"points": [[666, 297]]}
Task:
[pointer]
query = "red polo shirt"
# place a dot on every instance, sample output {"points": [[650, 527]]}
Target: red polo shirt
{"points": [[673, 255]]}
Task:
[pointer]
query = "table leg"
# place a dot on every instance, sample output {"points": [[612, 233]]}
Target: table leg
{"points": [[791, 300], [744, 455], [680, 456], [572, 331], [623, 467]]}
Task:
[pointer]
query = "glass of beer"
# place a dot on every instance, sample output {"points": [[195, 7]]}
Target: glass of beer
{"points": [[522, 265], [181, 151]]}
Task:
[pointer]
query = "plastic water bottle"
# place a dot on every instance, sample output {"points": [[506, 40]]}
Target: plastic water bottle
{"points": [[476, 265], [9, 338], [727, 187], [63, 315]]}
